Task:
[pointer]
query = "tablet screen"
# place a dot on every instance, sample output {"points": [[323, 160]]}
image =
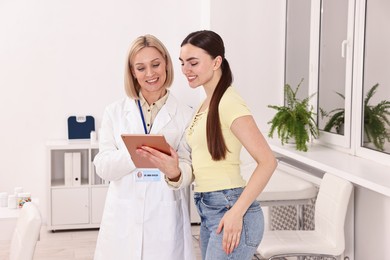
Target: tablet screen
{"points": [[135, 141]]}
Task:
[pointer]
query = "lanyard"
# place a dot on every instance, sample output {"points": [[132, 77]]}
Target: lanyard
{"points": [[142, 117]]}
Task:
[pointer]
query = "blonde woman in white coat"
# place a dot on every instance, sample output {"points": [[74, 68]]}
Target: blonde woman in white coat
{"points": [[145, 219]]}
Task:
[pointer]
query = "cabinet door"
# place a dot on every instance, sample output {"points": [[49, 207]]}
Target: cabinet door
{"points": [[69, 206], [98, 198]]}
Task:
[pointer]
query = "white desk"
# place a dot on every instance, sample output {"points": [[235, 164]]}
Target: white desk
{"points": [[284, 188], [8, 218]]}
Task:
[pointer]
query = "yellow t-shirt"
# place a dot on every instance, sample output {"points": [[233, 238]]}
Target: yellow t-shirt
{"points": [[213, 175]]}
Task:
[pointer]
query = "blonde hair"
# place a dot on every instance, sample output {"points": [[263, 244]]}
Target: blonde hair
{"points": [[132, 86]]}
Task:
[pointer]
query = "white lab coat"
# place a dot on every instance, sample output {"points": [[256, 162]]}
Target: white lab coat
{"points": [[143, 220]]}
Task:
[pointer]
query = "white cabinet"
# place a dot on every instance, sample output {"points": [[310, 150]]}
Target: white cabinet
{"points": [[76, 194], [194, 215]]}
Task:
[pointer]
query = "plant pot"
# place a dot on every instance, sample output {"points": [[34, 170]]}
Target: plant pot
{"points": [[340, 129]]}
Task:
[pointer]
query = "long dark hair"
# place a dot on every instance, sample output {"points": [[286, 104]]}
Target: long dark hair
{"points": [[213, 44]]}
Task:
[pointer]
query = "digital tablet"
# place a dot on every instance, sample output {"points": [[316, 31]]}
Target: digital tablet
{"points": [[134, 141]]}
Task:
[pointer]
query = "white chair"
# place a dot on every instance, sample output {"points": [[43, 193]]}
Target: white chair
{"points": [[26, 233], [328, 238]]}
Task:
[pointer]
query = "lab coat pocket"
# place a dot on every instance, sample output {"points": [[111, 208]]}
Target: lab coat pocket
{"points": [[171, 214], [116, 219]]}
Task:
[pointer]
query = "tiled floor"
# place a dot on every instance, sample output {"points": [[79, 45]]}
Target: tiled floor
{"points": [[73, 245]]}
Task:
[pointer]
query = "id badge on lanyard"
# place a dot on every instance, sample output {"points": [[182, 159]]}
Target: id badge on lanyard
{"points": [[146, 175], [142, 117]]}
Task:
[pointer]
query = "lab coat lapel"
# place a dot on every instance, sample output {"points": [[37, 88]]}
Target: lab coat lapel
{"points": [[133, 121]]}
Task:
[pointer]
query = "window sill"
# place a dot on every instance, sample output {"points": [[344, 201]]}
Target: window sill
{"points": [[363, 172]]}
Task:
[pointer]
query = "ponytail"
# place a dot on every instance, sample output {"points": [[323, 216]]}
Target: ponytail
{"points": [[215, 140]]}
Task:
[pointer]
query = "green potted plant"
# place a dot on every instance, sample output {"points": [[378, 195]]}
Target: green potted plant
{"points": [[336, 120], [375, 119], [376, 123], [295, 120]]}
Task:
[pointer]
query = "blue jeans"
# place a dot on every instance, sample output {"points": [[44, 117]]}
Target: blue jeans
{"points": [[212, 206]]}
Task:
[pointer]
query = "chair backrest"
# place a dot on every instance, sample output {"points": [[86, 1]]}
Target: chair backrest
{"points": [[26, 233], [331, 209]]}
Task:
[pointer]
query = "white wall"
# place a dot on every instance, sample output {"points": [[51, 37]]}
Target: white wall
{"points": [[253, 32], [372, 214]]}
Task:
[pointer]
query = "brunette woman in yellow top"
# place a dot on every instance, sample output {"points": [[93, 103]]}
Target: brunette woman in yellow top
{"points": [[232, 222]]}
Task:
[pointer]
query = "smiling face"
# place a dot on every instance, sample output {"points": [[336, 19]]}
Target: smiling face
{"points": [[199, 67], [149, 69]]}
